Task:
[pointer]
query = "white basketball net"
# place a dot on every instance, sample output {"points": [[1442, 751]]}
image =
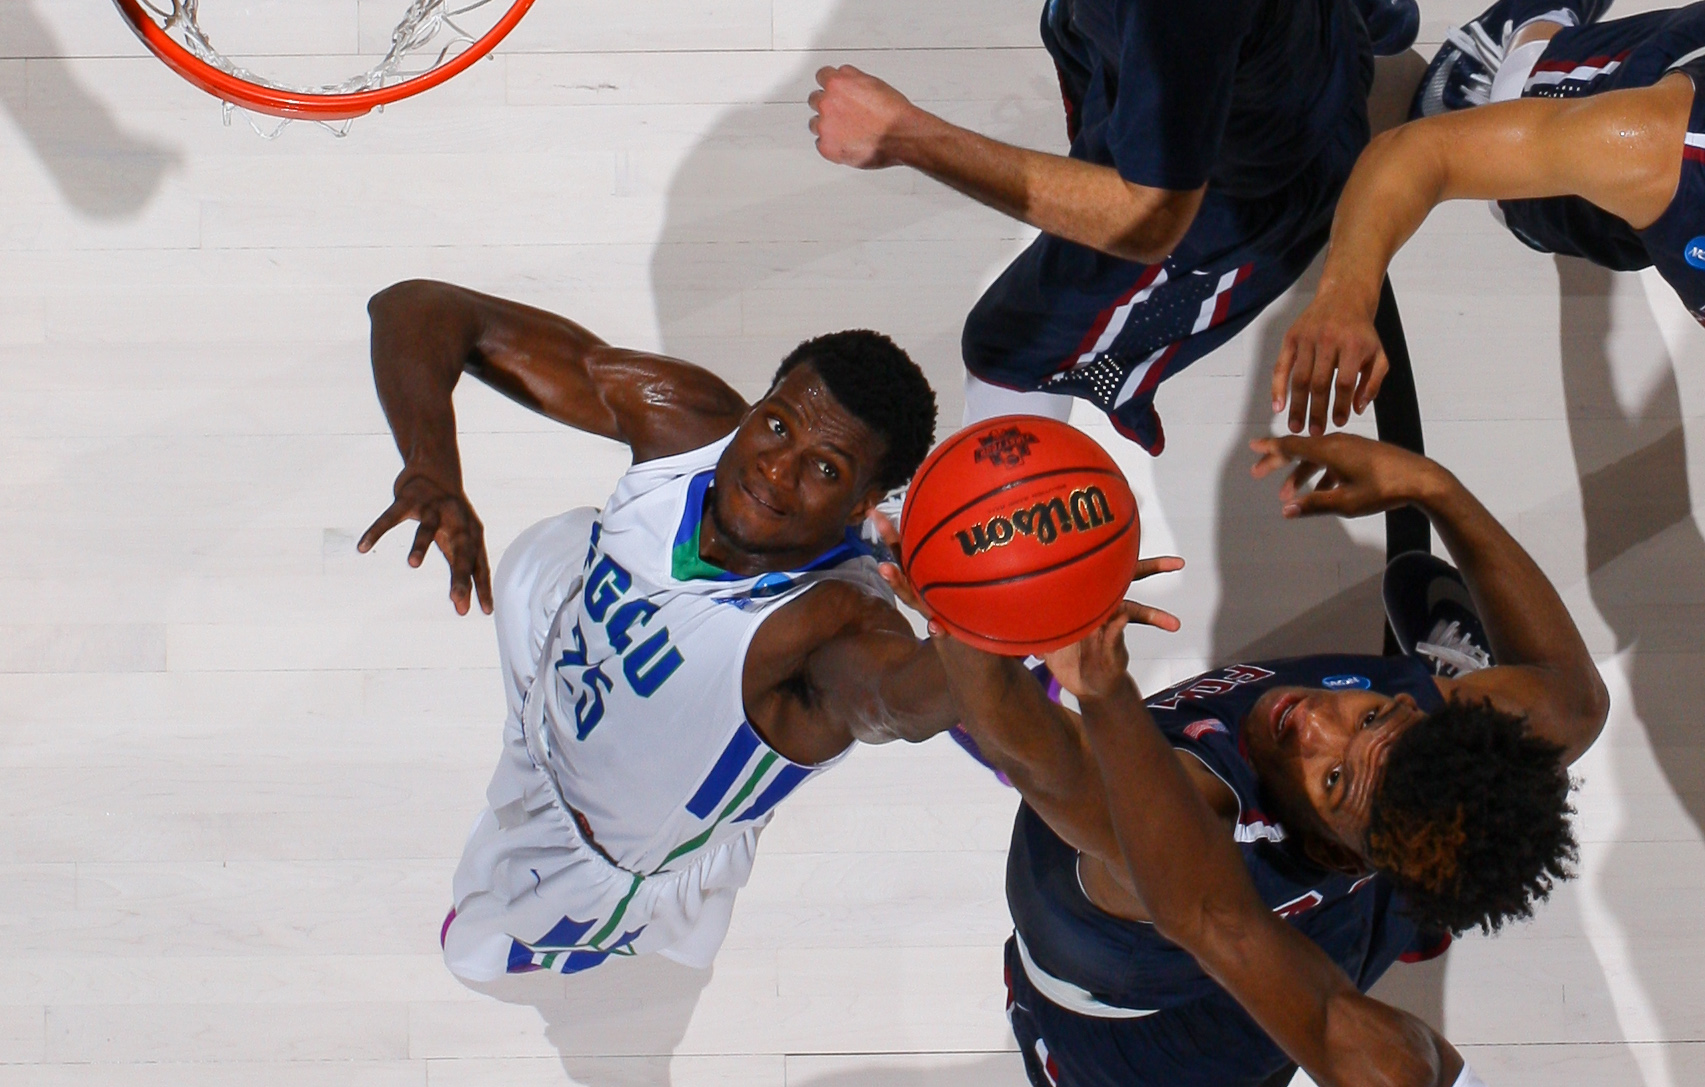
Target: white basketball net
{"points": [[422, 27]]}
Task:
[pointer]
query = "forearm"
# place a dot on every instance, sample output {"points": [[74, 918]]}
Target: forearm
{"points": [[418, 350], [1397, 182], [1183, 863], [1526, 621], [1032, 741], [1068, 198]]}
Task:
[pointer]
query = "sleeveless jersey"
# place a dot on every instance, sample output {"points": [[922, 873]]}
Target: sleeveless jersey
{"points": [[639, 718], [1124, 964], [1624, 53]]}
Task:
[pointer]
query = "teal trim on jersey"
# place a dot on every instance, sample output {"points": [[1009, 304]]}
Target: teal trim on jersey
{"points": [[685, 563], [688, 846], [615, 918]]}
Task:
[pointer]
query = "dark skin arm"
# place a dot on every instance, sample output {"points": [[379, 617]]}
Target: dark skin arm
{"points": [[840, 665], [427, 334], [1137, 808], [833, 666], [1189, 872], [1545, 672]]}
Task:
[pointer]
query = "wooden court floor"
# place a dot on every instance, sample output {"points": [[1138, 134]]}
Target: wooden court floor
{"points": [[237, 761]]}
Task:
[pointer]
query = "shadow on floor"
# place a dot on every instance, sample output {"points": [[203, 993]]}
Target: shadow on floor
{"points": [[745, 268], [102, 171], [1646, 573], [969, 1070], [617, 1025]]}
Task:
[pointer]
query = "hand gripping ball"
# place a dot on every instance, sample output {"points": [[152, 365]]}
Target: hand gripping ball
{"points": [[1020, 534]]}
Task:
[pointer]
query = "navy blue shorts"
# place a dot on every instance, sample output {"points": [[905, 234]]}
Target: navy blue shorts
{"points": [[1064, 318], [1210, 1042]]}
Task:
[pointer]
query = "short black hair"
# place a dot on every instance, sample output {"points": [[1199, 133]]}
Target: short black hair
{"points": [[870, 376], [1471, 821]]}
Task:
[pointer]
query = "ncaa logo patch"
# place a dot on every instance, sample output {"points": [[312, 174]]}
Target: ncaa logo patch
{"points": [[1694, 252], [1346, 683]]}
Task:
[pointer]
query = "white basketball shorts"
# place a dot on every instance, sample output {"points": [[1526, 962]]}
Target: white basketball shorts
{"points": [[531, 893]]}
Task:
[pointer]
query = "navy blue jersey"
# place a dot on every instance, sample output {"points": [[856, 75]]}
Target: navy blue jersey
{"points": [[1126, 964], [1633, 52], [1239, 94]]}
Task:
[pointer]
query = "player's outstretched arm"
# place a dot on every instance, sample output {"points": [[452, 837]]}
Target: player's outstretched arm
{"points": [[1620, 150], [1545, 672], [1192, 878], [863, 122], [839, 665], [427, 334]]}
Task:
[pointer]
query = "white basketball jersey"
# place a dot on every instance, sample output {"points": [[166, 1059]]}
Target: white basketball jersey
{"points": [[636, 710]]}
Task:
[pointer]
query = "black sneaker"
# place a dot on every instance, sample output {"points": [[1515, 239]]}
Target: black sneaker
{"points": [[1460, 75], [1433, 615]]}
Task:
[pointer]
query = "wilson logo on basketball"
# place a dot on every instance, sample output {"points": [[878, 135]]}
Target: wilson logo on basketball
{"points": [[1004, 448], [1082, 511]]}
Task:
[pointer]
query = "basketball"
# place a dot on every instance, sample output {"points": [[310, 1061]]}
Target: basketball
{"points": [[1020, 534]]}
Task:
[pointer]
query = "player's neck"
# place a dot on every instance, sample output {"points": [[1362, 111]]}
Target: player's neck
{"points": [[723, 552]]}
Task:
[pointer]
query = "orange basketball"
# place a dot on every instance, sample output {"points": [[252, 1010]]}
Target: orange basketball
{"points": [[1020, 533]]}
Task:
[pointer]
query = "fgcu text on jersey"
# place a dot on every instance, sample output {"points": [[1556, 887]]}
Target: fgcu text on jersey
{"points": [[645, 665]]}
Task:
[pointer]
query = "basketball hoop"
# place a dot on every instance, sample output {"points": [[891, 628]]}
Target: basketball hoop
{"points": [[427, 25]]}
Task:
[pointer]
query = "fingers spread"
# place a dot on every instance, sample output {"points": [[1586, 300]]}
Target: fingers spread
{"points": [[388, 520], [1302, 373], [1150, 616], [1344, 393], [1162, 564], [1372, 380], [482, 581], [423, 539], [1320, 388], [1282, 372]]}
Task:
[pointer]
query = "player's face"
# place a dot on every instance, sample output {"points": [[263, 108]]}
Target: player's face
{"points": [[800, 469], [1323, 752]]}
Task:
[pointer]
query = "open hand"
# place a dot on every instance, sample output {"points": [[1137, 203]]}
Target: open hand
{"points": [[853, 115], [1333, 345], [447, 519], [1071, 665], [1357, 476]]}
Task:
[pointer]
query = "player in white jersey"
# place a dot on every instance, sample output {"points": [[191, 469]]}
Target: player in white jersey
{"points": [[680, 661]]}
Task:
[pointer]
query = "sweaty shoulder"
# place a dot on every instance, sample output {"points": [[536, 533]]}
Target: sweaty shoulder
{"points": [[822, 613], [783, 685]]}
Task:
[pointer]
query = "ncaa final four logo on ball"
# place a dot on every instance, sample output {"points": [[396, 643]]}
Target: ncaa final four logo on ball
{"points": [[1005, 448]]}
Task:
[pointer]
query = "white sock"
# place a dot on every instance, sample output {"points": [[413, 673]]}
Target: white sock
{"points": [[985, 401]]}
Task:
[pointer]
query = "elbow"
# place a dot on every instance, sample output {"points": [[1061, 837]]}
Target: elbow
{"points": [[1595, 705], [1151, 239], [406, 297], [1155, 227]]}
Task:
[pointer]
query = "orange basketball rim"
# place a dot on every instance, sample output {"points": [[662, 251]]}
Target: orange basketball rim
{"points": [[237, 87]]}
